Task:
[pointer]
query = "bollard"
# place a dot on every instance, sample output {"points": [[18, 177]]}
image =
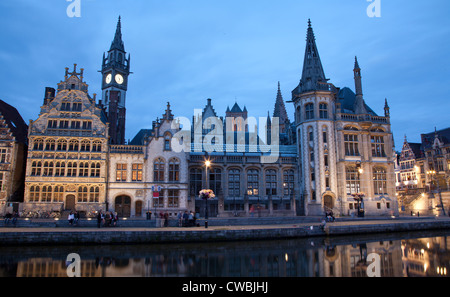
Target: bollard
{"points": [[206, 224]]}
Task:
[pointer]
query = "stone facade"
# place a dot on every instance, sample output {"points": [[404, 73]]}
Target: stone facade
{"points": [[13, 152], [344, 147], [67, 153]]}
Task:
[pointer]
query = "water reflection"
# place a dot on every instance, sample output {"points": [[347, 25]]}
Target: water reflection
{"points": [[401, 255]]}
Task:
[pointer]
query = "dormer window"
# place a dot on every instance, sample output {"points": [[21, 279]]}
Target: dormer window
{"points": [[167, 139]]}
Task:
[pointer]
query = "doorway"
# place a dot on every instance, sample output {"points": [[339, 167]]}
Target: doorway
{"points": [[328, 202], [138, 209], [70, 202], [123, 206]]}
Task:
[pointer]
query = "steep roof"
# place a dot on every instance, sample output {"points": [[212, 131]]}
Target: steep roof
{"points": [[15, 122], [347, 99]]}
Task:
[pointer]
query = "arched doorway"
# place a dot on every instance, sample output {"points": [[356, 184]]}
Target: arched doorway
{"points": [[138, 209], [70, 202], [123, 206], [328, 202]]}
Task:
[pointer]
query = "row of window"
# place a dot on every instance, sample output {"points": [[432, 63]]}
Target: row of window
{"points": [[72, 124], [310, 111], [56, 194], [353, 183], [63, 145], [235, 180], [69, 169], [159, 167], [172, 199], [351, 145], [68, 106]]}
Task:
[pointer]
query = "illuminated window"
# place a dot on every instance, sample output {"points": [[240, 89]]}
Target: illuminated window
{"points": [[136, 172], [352, 180], [121, 172], [158, 170], [351, 145], [379, 181], [253, 182], [174, 170], [173, 198]]}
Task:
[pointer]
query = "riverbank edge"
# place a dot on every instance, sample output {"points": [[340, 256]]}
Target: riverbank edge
{"points": [[92, 236]]}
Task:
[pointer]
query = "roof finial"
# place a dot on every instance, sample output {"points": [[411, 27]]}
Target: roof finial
{"points": [[309, 23]]}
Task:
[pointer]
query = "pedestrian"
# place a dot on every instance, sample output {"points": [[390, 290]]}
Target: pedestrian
{"points": [[76, 218], [191, 219], [99, 218], [14, 218], [71, 218], [180, 219], [186, 218], [114, 219], [7, 218], [166, 219]]}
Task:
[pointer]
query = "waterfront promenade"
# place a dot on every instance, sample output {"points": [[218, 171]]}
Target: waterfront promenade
{"points": [[50, 232]]}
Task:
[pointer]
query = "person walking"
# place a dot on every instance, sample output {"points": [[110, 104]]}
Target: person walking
{"points": [[99, 219], [71, 218], [180, 219]]}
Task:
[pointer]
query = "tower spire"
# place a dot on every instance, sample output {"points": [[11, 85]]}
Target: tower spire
{"points": [[117, 42], [312, 65], [360, 105], [280, 110]]}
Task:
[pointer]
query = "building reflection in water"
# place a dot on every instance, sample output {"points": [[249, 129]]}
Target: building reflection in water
{"points": [[319, 257]]}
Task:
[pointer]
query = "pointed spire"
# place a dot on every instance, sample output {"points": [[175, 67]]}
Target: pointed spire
{"points": [[280, 108], [387, 112], [312, 65], [117, 42], [358, 79]]}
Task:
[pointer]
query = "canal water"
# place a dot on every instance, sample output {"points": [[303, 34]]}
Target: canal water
{"points": [[423, 254]]}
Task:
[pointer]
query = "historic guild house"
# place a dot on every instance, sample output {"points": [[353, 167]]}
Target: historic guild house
{"points": [[334, 149]]}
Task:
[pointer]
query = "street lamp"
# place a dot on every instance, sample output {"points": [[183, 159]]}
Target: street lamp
{"points": [[207, 164], [432, 174]]}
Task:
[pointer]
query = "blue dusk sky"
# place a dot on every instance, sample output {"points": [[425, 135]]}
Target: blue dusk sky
{"points": [[186, 51]]}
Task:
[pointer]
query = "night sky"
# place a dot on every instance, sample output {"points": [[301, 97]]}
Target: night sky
{"points": [[185, 52]]}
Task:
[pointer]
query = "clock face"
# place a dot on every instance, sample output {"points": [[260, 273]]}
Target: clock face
{"points": [[108, 78], [119, 79]]}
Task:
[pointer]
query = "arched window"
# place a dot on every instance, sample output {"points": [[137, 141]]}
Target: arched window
{"points": [[271, 182], [309, 111], [195, 182], [73, 145], [48, 169], [85, 146], [50, 145], [60, 169], [167, 140], [34, 193], [95, 169], [288, 183], [84, 169], [58, 194], [46, 194], [97, 146], [82, 194], [234, 183], [38, 144], [174, 170], [158, 170], [215, 180], [352, 177], [62, 145], [323, 111], [253, 182], [379, 181], [72, 169], [36, 168], [94, 194]]}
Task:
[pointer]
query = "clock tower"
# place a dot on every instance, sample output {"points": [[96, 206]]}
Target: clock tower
{"points": [[115, 72]]}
